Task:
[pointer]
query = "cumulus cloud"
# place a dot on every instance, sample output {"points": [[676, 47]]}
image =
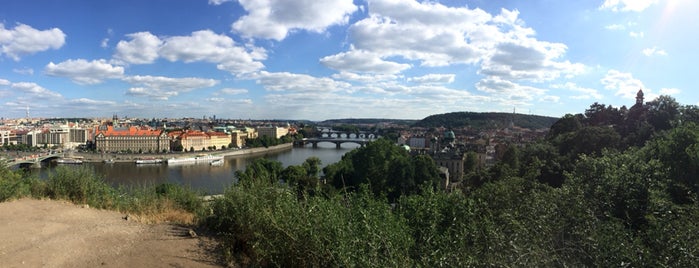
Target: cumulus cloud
{"points": [[624, 83], [141, 49], [508, 91], [627, 5], [433, 79], [35, 90], [437, 35], [205, 45], [85, 72], [25, 40], [654, 51], [162, 88], [615, 27], [362, 61], [274, 19], [284, 81]]}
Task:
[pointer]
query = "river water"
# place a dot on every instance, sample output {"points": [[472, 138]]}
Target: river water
{"points": [[203, 177]]}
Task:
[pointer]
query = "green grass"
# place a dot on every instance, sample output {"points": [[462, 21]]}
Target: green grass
{"points": [[81, 185]]}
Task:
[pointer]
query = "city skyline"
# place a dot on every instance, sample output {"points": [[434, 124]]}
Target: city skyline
{"points": [[318, 60]]}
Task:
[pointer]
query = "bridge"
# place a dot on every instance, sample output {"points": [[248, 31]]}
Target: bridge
{"points": [[33, 159], [338, 142]]}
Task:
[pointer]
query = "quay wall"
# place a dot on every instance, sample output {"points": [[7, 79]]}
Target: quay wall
{"points": [[122, 157]]}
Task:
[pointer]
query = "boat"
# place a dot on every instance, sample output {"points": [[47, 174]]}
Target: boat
{"points": [[217, 162], [69, 161], [149, 161], [108, 161], [200, 159]]}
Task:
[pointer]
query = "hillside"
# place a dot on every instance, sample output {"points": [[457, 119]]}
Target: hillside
{"points": [[485, 120]]}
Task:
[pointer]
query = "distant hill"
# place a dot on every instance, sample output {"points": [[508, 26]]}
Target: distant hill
{"points": [[358, 121], [485, 120]]}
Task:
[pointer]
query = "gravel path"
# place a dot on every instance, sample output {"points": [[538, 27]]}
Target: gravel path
{"points": [[45, 233]]}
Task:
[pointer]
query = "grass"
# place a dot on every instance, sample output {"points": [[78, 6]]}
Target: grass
{"points": [[80, 185]]}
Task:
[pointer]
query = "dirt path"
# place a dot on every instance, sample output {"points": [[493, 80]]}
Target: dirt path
{"points": [[44, 233]]}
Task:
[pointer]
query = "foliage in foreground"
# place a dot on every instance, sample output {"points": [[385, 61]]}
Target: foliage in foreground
{"points": [[80, 185]]}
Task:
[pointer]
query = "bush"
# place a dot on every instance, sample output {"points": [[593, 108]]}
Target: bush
{"points": [[267, 225], [80, 185]]}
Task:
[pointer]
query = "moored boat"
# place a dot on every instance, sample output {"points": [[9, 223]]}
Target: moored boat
{"points": [[69, 161], [149, 161]]}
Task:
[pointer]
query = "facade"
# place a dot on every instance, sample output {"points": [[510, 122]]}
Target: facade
{"points": [[219, 140], [8, 137], [272, 132], [453, 161], [133, 139], [199, 141], [418, 142]]}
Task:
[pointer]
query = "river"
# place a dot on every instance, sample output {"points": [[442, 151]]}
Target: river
{"points": [[206, 178]]}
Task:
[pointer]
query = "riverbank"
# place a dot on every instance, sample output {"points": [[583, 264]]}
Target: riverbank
{"points": [[123, 157]]}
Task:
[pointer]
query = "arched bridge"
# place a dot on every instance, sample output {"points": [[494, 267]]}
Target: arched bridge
{"points": [[33, 159], [338, 142]]}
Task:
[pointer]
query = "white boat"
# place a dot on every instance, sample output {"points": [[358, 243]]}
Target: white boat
{"points": [[201, 159], [149, 161], [217, 162], [69, 161]]}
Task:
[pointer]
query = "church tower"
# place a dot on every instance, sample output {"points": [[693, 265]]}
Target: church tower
{"points": [[639, 97]]}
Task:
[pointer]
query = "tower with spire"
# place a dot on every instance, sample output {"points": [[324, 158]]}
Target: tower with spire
{"points": [[639, 97]]}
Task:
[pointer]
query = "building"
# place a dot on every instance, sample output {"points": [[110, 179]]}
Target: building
{"points": [[453, 160], [272, 132], [198, 141], [219, 140], [8, 137], [130, 139]]}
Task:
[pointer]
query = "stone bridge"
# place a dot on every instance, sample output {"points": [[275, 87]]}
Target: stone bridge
{"points": [[33, 160], [338, 142]]}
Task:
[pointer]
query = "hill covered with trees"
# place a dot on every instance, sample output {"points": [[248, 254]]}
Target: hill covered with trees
{"points": [[485, 120]]}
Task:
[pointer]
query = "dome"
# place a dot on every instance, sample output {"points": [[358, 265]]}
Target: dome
{"points": [[449, 135]]}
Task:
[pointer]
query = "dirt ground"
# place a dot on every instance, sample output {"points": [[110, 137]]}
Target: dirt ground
{"points": [[45, 233]]}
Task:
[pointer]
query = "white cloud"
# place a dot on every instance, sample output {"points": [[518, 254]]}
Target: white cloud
{"points": [[669, 91], [624, 83], [233, 91], [85, 72], [142, 49], [637, 34], [284, 81], [549, 98], [627, 5], [654, 51], [365, 78], [35, 90], [615, 27], [433, 79], [205, 45], [586, 93], [25, 71], [508, 91], [218, 2], [437, 35], [162, 88], [211, 47], [362, 62], [25, 40], [90, 103], [274, 19]]}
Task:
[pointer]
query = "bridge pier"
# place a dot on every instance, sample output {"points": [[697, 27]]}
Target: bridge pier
{"points": [[315, 145], [36, 164], [337, 145]]}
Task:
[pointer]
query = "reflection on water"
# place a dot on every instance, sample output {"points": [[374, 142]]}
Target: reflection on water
{"points": [[204, 177]]}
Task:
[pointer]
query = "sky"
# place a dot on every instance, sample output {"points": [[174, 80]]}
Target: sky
{"points": [[328, 59]]}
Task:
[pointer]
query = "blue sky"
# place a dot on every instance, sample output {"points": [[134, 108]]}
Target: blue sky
{"points": [[323, 59]]}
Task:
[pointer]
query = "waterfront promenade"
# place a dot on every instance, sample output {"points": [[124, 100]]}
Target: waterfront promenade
{"points": [[123, 157]]}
